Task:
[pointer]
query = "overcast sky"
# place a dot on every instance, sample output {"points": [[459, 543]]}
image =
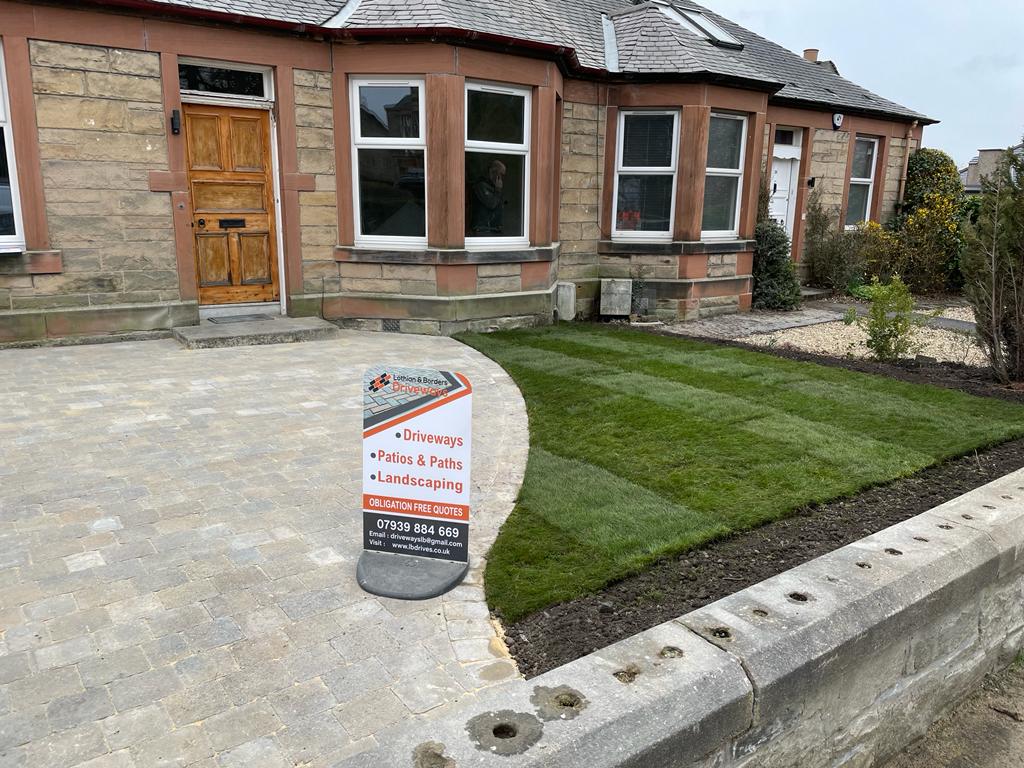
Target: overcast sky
{"points": [[958, 62]]}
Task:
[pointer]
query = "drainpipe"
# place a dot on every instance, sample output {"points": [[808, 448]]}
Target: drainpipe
{"points": [[906, 162]]}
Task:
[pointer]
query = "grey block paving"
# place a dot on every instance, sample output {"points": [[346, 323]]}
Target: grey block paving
{"points": [[178, 537]]}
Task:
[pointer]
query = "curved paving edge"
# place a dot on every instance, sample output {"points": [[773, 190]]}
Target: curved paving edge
{"points": [[839, 662]]}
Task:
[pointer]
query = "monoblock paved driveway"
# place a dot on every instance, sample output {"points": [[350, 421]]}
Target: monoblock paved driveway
{"points": [[178, 539]]}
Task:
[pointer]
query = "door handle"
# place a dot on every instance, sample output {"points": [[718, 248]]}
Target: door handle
{"points": [[202, 223], [775, 188]]}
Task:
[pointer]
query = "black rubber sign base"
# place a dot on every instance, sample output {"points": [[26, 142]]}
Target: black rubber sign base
{"points": [[406, 577]]}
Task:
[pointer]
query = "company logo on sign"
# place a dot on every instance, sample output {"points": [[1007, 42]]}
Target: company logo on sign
{"points": [[380, 382]]}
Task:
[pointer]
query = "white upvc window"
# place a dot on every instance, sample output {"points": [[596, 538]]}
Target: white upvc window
{"points": [[645, 175], [862, 181], [497, 166], [12, 235], [389, 162], [723, 182]]}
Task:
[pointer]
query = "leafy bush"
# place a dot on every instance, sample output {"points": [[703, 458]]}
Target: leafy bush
{"points": [[993, 268], [833, 259], [931, 245], [890, 322], [775, 282], [930, 172]]}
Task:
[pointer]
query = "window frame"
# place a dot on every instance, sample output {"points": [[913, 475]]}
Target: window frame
{"points": [[523, 150], [670, 170], [387, 142], [10, 243], [868, 181], [215, 97], [737, 173]]}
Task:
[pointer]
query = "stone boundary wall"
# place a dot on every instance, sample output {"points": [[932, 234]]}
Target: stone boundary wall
{"points": [[838, 663]]}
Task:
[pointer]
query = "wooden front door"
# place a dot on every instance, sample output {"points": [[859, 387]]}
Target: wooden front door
{"points": [[231, 183]]}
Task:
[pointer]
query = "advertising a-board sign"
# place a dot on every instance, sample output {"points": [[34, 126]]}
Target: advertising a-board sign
{"points": [[416, 475]]}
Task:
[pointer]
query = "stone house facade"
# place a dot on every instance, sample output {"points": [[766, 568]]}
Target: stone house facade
{"points": [[400, 167]]}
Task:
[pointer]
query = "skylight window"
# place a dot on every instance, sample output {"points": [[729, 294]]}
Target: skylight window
{"points": [[697, 22]]}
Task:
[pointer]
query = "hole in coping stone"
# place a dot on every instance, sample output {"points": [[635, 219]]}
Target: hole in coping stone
{"points": [[760, 612], [627, 675], [891, 551], [921, 538], [568, 700], [670, 652], [798, 597], [722, 633], [864, 565], [967, 517], [945, 527], [504, 731], [1007, 497]]}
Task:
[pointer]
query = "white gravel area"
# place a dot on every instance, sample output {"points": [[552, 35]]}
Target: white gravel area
{"points": [[958, 313], [839, 339]]}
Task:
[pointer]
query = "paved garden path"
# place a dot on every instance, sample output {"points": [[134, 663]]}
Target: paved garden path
{"points": [[178, 538], [738, 326]]}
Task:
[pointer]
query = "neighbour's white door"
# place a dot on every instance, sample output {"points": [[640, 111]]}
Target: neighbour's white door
{"points": [[782, 204]]}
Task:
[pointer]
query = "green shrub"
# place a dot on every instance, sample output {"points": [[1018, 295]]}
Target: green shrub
{"points": [[775, 282], [890, 323], [833, 258], [930, 172], [994, 269]]}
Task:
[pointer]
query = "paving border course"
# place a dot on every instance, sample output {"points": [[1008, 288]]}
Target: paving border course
{"points": [[838, 663]]}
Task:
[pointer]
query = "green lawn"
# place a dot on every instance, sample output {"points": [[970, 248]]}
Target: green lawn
{"points": [[643, 446]]}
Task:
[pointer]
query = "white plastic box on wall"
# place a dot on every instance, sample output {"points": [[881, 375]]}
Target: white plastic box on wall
{"points": [[616, 297]]}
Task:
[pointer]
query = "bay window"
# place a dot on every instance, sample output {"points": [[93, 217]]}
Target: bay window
{"points": [[723, 183], [645, 175], [389, 163], [862, 181], [497, 166], [12, 237]]}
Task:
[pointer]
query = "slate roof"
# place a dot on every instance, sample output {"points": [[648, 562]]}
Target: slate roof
{"points": [[648, 41]]}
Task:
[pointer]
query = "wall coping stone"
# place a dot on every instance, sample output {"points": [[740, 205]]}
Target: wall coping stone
{"points": [[445, 255], [841, 661], [676, 247]]}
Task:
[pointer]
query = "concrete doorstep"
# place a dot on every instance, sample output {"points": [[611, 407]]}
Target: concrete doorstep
{"points": [[278, 330], [838, 663]]}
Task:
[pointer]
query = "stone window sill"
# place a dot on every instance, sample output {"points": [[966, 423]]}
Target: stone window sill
{"points": [[31, 263], [676, 248], [352, 254]]}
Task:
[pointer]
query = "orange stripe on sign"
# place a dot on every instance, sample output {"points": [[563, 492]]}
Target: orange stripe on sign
{"points": [[419, 411], [375, 503]]}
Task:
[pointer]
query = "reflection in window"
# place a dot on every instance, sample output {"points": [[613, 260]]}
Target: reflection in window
{"points": [[392, 199], [497, 164], [389, 110], [390, 163], [495, 117], [645, 174], [235, 82], [495, 187], [723, 182]]}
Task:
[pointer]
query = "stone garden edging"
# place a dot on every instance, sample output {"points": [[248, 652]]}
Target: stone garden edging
{"points": [[839, 662]]}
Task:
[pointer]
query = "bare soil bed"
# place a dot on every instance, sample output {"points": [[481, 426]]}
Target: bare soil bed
{"points": [[675, 586]]}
